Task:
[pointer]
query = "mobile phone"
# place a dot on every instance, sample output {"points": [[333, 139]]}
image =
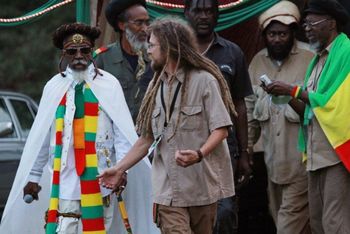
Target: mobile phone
{"points": [[265, 80]]}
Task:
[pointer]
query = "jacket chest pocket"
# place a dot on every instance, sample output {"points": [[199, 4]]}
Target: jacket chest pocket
{"points": [[156, 125], [191, 118]]}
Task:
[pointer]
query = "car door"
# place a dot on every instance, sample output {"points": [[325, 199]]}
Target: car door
{"points": [[16, 117]]}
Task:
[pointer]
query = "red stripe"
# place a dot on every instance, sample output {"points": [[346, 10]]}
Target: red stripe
{"points": [[58, 138], [91, 109], [80, 161], [52, 216], [56, 177], [343, 152], [63, 101], [89, 186], [90, 147], [93, 224]]}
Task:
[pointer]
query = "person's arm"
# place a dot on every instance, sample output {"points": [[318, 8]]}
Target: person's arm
{"points": [[187, 158], [32, 187], [241, 124], [281, 88], [112, 178]]}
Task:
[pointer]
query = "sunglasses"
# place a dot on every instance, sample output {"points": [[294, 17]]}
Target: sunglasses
{"points": [[73, 51]]}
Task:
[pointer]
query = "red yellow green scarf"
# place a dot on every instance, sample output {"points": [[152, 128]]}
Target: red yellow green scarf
{"points": [[84, 130]]}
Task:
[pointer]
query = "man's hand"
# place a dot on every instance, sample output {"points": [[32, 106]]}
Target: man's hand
{"points": [[185, 158], [278, 88], [32, 189], [244, 169], [112, 178]]}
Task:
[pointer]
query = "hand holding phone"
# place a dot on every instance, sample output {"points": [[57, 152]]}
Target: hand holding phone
{"points": [[265, 80]]}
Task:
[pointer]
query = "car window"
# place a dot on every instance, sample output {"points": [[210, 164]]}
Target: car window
{"points": [[6, 124], [24, 115]]}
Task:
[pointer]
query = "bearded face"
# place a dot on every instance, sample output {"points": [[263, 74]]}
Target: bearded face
{"points": [[77, 53], [279, 40], [137, 40]]}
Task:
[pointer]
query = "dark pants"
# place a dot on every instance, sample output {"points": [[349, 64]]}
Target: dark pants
{"points": [[227, 216]]}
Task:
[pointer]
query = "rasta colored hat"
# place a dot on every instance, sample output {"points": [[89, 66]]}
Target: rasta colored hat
{"points": [[284, 12], [116, 7], [329, 7], [75, 32]]}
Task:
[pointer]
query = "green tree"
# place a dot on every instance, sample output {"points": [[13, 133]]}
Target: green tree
{"points": [[28, 58]]}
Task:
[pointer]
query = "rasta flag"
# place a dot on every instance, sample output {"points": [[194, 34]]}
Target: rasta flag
{"points": [[330, 103]]}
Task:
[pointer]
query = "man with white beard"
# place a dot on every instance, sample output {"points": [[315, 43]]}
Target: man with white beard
{"points": [[83, 126], [126, 58]]}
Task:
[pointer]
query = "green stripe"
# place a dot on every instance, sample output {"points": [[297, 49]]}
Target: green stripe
{"points": [[51, 228], [55, 190], [58, 151], [92, 212], [90, 173], [89, 96], [60, 112], [79, 101], [90, 136]]}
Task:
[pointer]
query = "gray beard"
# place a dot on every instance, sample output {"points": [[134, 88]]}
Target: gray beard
{"points": [[79, 75], [315, 46], [134, 42]]}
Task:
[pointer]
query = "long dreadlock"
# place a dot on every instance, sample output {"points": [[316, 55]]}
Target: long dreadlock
{"points": [[178, 41]]}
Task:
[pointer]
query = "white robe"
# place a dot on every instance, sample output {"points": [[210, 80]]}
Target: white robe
{"points": [[19, 217]]}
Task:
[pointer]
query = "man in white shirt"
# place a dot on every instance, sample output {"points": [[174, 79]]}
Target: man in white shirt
{"points": [[83, 126]]}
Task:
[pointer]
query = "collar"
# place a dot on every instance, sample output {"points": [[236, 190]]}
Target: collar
{"points": [[218, 40], [326, 50], [179, 75]]}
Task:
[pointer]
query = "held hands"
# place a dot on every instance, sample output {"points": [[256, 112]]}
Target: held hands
{"points": [[185, 158], [33, 189], [113, 178]]}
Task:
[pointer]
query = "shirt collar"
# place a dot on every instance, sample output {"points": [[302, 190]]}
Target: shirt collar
{"points": [[179, 75], [218, 40]]}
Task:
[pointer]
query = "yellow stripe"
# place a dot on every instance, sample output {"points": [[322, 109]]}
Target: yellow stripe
{"points": [[59, 125], [95, 232], [56, 164], [94, 199], [91, 160], [90, 124], [122, 210], [53, 204], [334, 116]]}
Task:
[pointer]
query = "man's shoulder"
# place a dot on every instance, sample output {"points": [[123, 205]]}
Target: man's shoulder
{"points": [[105, 50], [226, 44]]}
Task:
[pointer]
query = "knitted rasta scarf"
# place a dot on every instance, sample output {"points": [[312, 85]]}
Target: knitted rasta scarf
{"points": [[84, 130]]}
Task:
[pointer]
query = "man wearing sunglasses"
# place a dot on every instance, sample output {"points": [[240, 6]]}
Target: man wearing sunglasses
{"points": [[83, 126], [126, 58], [323, 103]]}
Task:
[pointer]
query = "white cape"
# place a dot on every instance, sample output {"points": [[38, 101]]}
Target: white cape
{"points": [[19, 217]]}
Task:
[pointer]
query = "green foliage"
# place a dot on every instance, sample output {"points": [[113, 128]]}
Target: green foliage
{"points": [[28, 57]]}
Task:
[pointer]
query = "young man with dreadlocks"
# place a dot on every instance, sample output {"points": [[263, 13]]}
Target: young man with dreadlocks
{"points": [[203, 16], [185, 113], [83, 126]]}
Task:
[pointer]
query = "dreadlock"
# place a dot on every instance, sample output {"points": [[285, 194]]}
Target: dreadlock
{"points": [[178, 41]]}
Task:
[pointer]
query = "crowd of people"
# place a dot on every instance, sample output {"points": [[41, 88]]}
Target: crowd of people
{"points": [[169, 116]]}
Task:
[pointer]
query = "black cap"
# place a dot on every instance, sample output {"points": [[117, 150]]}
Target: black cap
{"points": [[115, 7], [329, 7]]}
